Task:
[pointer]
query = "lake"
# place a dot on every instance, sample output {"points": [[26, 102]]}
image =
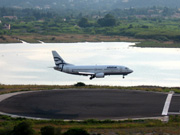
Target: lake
{"points": [[24, 63]]}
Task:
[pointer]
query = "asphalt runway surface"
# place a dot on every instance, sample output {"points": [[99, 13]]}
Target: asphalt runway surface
{"points": [[76, 104]]}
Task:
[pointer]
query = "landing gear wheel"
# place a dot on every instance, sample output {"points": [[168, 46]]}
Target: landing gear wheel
{"points": [[123, 77], [91, 77]]}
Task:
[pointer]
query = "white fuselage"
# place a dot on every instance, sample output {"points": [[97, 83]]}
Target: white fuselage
{"points": [[88, 70]]}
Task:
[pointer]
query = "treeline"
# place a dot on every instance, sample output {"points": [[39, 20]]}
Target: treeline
{"points": [[147, 12], [76, 14], [34, 14], [88, 5], [139, 23]]}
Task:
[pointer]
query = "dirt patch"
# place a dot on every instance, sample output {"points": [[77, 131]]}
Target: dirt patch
{"points": [[67, 38], [8, 39]]}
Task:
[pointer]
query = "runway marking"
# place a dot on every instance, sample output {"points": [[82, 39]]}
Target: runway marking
{"points": [[167, 103]]}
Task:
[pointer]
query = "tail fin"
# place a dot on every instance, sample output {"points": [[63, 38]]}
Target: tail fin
{"points": [[57, 59]]}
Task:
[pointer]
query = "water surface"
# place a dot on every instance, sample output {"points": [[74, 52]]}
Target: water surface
{"points": [[24, 63]]}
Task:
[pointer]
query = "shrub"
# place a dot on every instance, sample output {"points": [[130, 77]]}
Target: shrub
{"points": [[4, 132], [174, 118], [76, 132], [80, 84], [2, 37], [47, 130], [24, 128], [92, 121], [53, 38]]}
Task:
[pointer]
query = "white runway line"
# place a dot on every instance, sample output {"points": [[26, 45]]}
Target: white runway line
{"points": [[167, 103]]}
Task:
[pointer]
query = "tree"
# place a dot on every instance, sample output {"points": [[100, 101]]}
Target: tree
{"points": [[83, 22], [107, 21], [24, 128]]}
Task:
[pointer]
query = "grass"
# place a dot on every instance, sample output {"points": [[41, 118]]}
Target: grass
{"points": [[15, 88], [72, 38], [157, 44], [105, 127]]}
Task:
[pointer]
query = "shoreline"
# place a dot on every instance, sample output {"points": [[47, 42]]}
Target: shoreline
{"points": [[74, 38], [65, 38]]}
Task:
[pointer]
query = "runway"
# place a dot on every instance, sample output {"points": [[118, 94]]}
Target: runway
{"points": [[74, 104]]}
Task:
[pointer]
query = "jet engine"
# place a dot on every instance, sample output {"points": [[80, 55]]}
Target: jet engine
{"points": [[99, 75]]}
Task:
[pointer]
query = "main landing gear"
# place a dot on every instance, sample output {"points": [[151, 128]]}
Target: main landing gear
{"points": [[123, 76], [92, 77]]}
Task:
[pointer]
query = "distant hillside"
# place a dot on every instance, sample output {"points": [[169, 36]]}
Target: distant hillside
{"points": [[88, 4]]}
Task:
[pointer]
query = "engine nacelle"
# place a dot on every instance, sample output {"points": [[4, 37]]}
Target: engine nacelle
{"points": [[99, 75]]}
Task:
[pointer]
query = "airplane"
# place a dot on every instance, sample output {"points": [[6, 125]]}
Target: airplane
{"points": [[97, 71]]}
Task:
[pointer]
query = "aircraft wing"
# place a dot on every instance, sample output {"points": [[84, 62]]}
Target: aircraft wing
{"points": [[86, 73]]}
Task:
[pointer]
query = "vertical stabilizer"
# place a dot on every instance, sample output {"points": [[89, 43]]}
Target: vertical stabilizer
{"points": [[57, 59]]}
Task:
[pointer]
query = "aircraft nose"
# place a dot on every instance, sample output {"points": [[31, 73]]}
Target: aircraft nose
{"points": [[130, 71]]}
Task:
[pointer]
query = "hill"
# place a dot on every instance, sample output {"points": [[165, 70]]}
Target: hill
{"points": [[87, 4]]}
